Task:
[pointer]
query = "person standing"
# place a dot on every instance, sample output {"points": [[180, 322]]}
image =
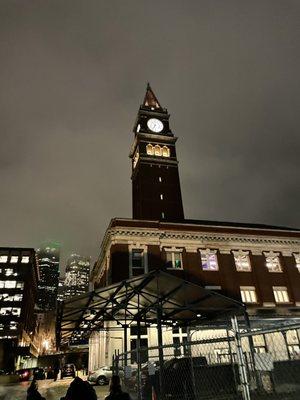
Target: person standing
{"points": [[33, 393], [116, 392]]}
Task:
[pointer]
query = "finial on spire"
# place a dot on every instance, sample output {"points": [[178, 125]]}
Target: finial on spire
{"points": [[150, 100]]}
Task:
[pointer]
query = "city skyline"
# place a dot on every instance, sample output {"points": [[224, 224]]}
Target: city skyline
{"points": [[226, 74]]}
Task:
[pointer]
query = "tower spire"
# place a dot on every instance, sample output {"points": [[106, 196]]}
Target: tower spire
{"points": [[150, 100]]}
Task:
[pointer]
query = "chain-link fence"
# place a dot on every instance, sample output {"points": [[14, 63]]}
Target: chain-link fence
{"points": [[216, 364]]}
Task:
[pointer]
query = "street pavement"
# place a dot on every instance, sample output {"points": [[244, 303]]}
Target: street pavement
{"points": [[49, 389]]}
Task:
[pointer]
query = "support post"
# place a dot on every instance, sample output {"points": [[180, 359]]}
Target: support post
{"points": [[138, 353], [160, 351], [241, 360], [125, 345], [252, 351]]}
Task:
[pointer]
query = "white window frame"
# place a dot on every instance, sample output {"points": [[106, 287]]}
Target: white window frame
{"points": [[239, 259], [281, 295], [273, 262], [144, 250], [247, 294], [297, 260], [173, 251], [207, 253]]}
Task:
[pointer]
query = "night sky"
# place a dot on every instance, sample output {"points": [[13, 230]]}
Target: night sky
{"points": [[73, 74]]}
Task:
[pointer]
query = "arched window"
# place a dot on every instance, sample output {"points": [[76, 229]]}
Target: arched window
{"points": [[157, 150], [165, 151], [149, 149]]}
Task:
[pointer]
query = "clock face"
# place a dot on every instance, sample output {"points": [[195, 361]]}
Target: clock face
{"points": [[155, 125]]}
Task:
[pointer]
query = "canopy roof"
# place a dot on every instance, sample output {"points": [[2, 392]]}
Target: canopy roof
{"points": [[180, 303]]}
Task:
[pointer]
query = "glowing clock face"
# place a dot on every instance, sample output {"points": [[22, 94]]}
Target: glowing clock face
{"points": [[155, 125]]}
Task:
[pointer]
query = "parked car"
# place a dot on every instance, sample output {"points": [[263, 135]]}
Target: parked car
{"points": [[68, 370], [102, 375], [27, 374]]}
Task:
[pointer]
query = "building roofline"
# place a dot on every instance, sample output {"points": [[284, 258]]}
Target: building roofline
{"points": [[206, 224]]}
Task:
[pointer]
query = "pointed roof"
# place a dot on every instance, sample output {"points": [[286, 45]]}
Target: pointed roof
{"points": [[150, 100]]}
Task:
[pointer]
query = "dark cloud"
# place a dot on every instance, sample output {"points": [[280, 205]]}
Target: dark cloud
{"points": [[72, 75]]}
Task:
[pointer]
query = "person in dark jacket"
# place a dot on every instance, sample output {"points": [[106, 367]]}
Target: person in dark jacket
{"points": [[80, 390], [33, 393], [115, 390]]}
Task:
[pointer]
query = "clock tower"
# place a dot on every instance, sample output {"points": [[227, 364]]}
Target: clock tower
{"points": [[156, 193]]}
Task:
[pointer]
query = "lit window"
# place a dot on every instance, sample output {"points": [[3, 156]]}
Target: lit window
{"points": [[138, 128], [13, 325], [9, 272], [25, 260], [248, 294], [281, 294], [273, 262], [3, 259], [174, 259], [242, 260], [157, 150], [136, 158], [209, 260], [165, 151], [159, 179], [8, 284], [297, 260], [10, 311], [161, 196], [14, 259], [149, 149], [163, 215], [20, 285]]}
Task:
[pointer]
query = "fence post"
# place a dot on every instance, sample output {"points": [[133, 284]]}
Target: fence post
{"points": [[117, 363], [113, 364], [241, 360]]}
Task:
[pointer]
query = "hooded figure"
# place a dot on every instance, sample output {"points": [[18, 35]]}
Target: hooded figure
{"points": [[115, 390], [79, 390], [33, 393]]}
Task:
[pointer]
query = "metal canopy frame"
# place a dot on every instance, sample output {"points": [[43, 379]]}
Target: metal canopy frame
{"points": [[154, 298]]}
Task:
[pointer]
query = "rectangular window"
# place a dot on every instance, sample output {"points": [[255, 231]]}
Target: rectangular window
{"points": [[8, 284], [163, 215], [137, 258], [248, 294], [173, 259], [273, 262], [209, 260], [13, 325], [161, 196], [297, 260], [134, 330], [242, 261], [10, 311], [9, 272], [143, 351], [159, 179], [3, 259], [14, 259], [25, 260], [281, 294]]}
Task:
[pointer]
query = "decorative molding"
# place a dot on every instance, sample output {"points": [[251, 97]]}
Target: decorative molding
{"points": [[269, 304], [192, 242]]}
